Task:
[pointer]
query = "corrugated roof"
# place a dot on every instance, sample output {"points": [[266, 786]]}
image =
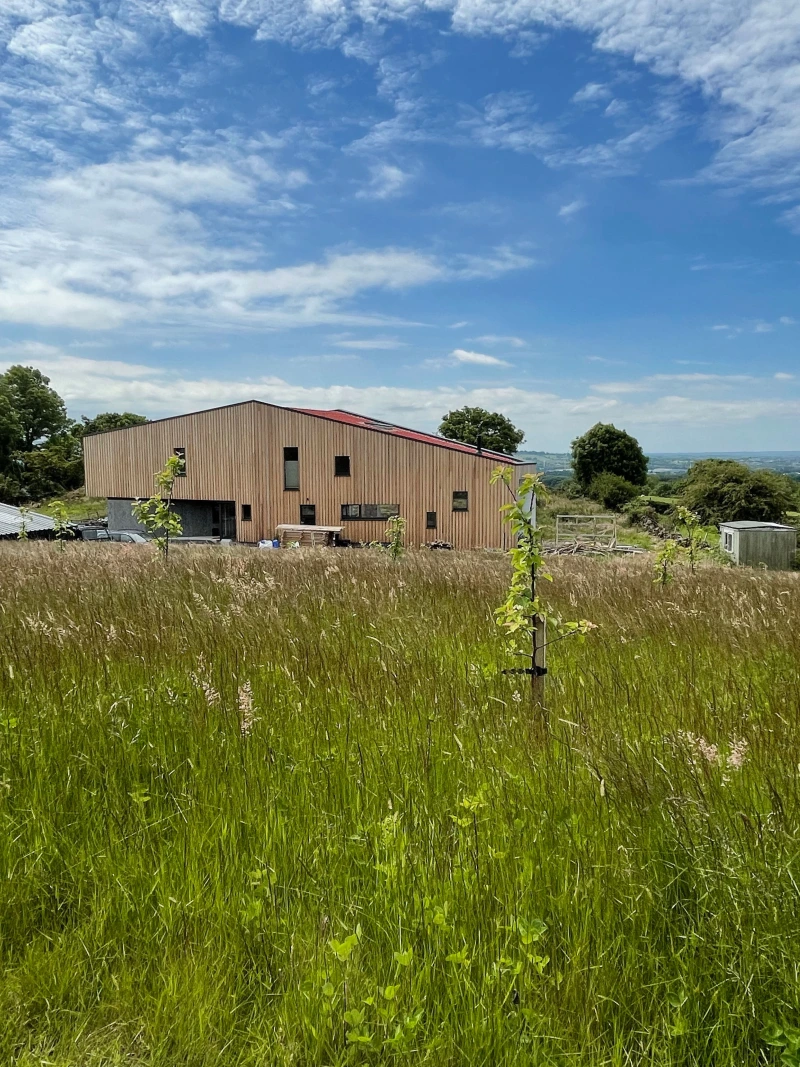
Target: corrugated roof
{"points": [[11, 520], [751, 524], [352, 419]]}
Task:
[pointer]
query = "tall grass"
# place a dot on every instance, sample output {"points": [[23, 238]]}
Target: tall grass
{"points": [[283, 808]]}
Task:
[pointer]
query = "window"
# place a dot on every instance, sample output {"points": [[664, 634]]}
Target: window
{"points": [[369, 511], [181, 454], [460, 501], [247, 512], [728, 541], [341, 466], [291, 468], [308, 514], [430, 520]]}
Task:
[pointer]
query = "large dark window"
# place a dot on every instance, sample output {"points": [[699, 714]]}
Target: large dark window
{"points": [[247, 512], [181, 454], [369, 511], [460, 501], [291, 468], [341, 466], [430, 520], [308, 514]]}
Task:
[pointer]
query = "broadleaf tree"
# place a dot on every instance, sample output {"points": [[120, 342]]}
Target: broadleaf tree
{"points": [[477, 426], [111, 420], [606, 450], [39, 409]]}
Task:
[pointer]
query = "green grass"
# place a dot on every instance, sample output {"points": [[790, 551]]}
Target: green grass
{"points": [[79, 507], [283, 808]]}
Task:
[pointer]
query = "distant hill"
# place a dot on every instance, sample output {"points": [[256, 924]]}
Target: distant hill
{"points": [[676, 462], [547, 461]]}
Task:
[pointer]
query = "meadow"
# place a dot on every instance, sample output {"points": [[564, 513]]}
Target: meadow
{"points": [[283, 808]]}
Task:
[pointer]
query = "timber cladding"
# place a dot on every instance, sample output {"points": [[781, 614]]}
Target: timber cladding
{"points": [[236, 453]]}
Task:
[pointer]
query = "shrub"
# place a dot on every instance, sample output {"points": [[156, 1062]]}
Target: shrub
{"points": [[569, 488], [722, 490], [612, 491]]}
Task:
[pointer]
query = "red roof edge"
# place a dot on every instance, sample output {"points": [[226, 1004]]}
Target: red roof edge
{"points": [[352, 418]]}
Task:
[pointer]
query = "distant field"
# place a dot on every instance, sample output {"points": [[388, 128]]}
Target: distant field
{"points": [[284, 809]]}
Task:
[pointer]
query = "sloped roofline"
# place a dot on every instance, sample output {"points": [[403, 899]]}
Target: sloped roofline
{"points": [[420, 436]]}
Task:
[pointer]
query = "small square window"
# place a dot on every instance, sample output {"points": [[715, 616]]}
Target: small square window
{"points": [[247, 512], [430, 520], [181, 454], [460, 501], [341, 466], [308, 514]]}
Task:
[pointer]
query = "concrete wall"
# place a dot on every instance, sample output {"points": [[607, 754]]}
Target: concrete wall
{"points": [[774, 549], [195, 516]]}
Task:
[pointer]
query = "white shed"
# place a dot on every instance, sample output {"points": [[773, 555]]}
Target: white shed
{"points": [[759, 544]]}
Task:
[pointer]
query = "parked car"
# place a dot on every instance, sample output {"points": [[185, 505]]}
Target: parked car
{"points": [[92, 533], [100, 533]]}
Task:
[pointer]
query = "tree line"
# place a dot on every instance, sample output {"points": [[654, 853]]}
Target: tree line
{"points": [[41, 455], [610, 467], [41, 447]]}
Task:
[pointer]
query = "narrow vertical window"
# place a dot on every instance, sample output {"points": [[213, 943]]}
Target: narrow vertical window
{"points": [[291, 468], [181, 454], [430, 520], [341, 466], [247, 512], [460, 501]]}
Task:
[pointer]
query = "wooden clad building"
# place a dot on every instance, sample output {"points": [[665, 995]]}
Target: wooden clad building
{"points": [[251, 467]]}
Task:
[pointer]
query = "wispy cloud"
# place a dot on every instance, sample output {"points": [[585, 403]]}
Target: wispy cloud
{"points": [[479, 359], [371, 344], [500, 339], [571, 209], [386, 181], [593, 92], [120, 242], [91, 385]]}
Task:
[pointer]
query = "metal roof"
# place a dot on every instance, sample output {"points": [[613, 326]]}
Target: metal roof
{"points": [[11, 520], [750, 524], [366, 423]]}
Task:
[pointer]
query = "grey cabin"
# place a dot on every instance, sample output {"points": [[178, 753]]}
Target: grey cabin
{"points": [[759, 544]]}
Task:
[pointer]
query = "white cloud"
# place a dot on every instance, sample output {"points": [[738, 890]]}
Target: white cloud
{"points": [[386, 181], [591, 93], [101, 385], [500, 339], [371, 344], [619, 388], [126, 242], [568, 210], [740, 55], [786, 320], [782, 376], [462, 355]]}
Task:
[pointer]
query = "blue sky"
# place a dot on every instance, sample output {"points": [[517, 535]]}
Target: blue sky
{"points": [[568, 210]]}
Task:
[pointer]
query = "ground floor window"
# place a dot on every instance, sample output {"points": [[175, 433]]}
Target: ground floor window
{"points": [[430, 520], [351, 512], [247, 512], [460, 501], [308, 514]]}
